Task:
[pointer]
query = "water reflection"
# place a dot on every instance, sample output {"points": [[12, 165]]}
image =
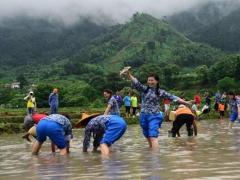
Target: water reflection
{"points": [[213, 154]]}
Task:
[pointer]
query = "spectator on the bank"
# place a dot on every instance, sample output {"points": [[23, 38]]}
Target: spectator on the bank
{"points": [[31, 103], [197, 99], [53, 101], [134, 104], [127, 104], [217, 100]]}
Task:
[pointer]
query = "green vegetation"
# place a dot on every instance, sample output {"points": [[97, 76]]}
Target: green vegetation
{"points": [[215, 23], [147, 44]]}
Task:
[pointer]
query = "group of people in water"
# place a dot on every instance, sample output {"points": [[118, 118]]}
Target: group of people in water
{"points": [[109, 127]]}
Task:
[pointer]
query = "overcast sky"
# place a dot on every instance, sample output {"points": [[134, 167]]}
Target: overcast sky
{"points": [[69, 11]]}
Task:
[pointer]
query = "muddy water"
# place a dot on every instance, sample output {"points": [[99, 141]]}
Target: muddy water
{"points": [[213, 154]]}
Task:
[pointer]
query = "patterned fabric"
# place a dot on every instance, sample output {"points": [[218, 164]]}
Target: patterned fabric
{"points": [[114, 106], [234, 103], [151, 101], [95, 127], [62, 120], [53, 99]]}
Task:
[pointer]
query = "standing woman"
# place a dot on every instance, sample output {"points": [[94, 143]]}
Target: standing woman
{"points": [[31, 103], [112, 107], [151, 118]]}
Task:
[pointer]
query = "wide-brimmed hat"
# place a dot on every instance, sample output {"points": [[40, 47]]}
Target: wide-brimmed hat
{"points": [[85, 119], [181, 106]]}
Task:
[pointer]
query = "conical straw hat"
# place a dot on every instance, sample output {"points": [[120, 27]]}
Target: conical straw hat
{"points": [[85, 119]]}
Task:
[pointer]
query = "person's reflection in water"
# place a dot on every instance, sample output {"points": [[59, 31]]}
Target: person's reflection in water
{"points": [[115, 167], [236, 140], [151, 165], [50, 167]]}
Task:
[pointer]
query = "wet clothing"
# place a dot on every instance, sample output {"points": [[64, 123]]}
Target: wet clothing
{"points": [[151, 117], [180, 121], [57, 127], [104, 129], [234, 104], [53, 103], [183, 116], [150, 100], [150, 123], [114, 110]]}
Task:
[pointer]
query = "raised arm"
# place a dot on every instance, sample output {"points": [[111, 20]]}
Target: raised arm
{"points": [[135, 83]]}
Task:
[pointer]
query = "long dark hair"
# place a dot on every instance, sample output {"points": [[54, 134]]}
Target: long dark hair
{"points": [[156, 77], [109, 91]]}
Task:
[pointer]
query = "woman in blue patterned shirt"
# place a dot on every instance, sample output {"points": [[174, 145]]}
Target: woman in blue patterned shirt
{"points": [[112, 108], [59, 130], [151, 117], [105, 129]]}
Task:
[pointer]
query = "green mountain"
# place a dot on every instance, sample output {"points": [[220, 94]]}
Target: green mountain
{"points": [[224, 34], [214, 23], [147, 44], [144, 40], [26, 41]]}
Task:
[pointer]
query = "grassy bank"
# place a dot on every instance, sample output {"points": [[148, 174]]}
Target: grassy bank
{"points": [[11, 120]]}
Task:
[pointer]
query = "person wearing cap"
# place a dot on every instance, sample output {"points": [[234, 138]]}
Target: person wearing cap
{"points": [[59, 130], [183, 115], [105, 129], [31, 103], [53, 101], [29, 124]]}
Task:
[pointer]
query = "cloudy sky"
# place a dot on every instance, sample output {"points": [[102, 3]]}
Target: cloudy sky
{"points": [[69, 11]]}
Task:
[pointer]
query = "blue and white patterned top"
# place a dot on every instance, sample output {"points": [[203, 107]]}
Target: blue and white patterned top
{"points": [[95, 127], [151, 101], [62, 120], [114, 106], [234, 103]]}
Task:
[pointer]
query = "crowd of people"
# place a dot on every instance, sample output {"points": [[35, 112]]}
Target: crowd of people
{"points": [[108, 127]]}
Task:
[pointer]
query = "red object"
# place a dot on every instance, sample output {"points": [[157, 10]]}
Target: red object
{"points": [[166, 101], [197, 99], [37, 117]]}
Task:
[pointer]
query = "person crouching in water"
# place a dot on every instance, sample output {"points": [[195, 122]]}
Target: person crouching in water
{"points": [[29, 124], [184, 116], [106, 129], [59, 130], [151, 117], [112, 107]]}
